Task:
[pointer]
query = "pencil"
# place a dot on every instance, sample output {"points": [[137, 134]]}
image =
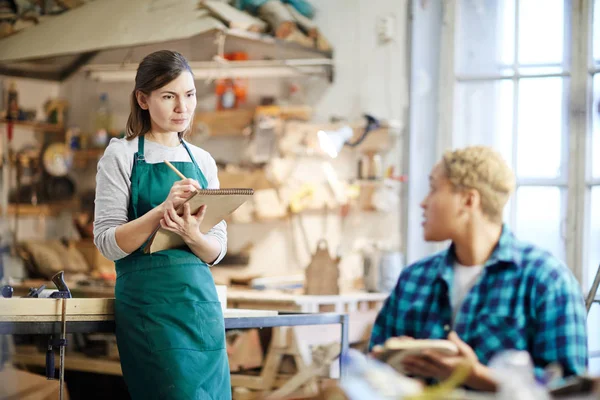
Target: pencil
{"points": [[175, 170]]}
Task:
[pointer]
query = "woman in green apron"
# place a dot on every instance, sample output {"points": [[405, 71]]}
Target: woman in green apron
{"points": [[169, 325]]}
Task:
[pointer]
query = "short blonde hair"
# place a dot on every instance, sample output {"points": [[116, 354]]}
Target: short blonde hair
{"points": [[483, 169]]}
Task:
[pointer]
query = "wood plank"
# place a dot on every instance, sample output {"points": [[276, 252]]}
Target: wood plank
{"points": [[72, 362], [242, 313], [43, 210], [234, 177], [307, 24], [247, 381], [299, 112], [278, 17], [52, 307], [274, 296], [241, 393], [23, 385], [76, 290], [378, 140], [263, 306], [235, 18], [54, 318], [38, 126], [27, 309], [85, 155], [226, 122]]}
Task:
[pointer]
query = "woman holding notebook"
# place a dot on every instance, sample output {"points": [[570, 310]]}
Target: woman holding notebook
{"points": [[169, 324]]}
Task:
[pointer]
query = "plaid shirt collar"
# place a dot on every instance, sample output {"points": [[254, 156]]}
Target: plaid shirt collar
{"points": [[505, 254]]}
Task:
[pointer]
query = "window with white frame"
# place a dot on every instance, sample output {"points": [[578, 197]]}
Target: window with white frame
{"points": [[593, 154], [592, 187], [511, 92], [513, 67]]}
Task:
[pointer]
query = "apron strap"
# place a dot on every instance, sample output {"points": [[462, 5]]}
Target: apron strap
{"points": [[138, 159], [140, 152], [203, 181]]}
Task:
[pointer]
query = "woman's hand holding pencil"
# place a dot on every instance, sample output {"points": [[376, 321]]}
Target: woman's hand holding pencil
{"points": [[187, 225], [180, 191]]}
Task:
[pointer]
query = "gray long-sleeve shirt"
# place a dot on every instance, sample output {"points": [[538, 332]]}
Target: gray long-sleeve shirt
{"points": [[113, 189]]}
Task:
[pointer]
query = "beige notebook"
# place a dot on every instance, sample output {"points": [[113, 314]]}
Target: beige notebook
{"points": [[395, 349], [219, 204]]}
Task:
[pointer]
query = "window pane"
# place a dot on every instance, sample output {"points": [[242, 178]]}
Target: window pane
{"points": [[535, 70], [484, 115], [485, 37], [595, 153], [596, 30], [593, 259], [539, 216], [593, 239], [540, 121], [541, 31], [593, 324]]}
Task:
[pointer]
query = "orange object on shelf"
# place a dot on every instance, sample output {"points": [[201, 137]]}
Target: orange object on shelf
{"points": [[236, 56], [231, 93]]}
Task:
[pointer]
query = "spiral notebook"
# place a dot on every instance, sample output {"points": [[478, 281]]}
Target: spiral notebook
{"points": [[219, 204]]}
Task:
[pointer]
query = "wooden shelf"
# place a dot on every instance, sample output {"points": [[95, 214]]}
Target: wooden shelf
{"points": [[234, 122], [40, 210], [82, 156], [281, 44], [377, 141], [38, 126], [226, 122]]}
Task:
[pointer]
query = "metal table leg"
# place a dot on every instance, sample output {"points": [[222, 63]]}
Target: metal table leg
{"points": [[345, 345]]}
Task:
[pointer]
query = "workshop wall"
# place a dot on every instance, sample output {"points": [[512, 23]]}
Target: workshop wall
{"points": [[370, 76], [32, 95]]}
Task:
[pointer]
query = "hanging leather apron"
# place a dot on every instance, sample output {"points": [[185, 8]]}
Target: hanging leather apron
{"points": [[169, 324]]}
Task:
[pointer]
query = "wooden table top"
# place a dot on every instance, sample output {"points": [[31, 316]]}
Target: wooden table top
{"points": [[86, 309]]}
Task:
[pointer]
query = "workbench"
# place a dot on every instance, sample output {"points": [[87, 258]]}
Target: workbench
{"points": [[361, 307], [277, 300], [20, 316]]}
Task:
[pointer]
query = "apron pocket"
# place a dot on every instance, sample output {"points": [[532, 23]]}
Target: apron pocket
{"points": [[189, 325]]}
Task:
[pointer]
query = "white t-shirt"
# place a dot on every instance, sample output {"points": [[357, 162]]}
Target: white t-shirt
{"points": [[464, 279]]}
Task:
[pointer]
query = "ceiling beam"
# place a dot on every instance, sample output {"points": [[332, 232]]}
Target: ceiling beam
{"points": [[75, 65]]}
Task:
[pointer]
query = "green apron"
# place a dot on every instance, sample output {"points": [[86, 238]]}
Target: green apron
{"points": [[169, 325]]}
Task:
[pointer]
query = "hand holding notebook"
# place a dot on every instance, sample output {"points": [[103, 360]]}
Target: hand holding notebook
{"points": [[393, 351], [219, 204]]}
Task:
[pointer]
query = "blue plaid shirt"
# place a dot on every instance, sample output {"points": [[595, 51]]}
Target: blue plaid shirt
{"points": [[524, 299]]}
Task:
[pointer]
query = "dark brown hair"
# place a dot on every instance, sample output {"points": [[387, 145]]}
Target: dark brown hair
{"points": [[155, 71]]}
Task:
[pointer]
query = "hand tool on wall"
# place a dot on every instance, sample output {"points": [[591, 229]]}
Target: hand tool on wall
{"points": [[371, 125]]}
